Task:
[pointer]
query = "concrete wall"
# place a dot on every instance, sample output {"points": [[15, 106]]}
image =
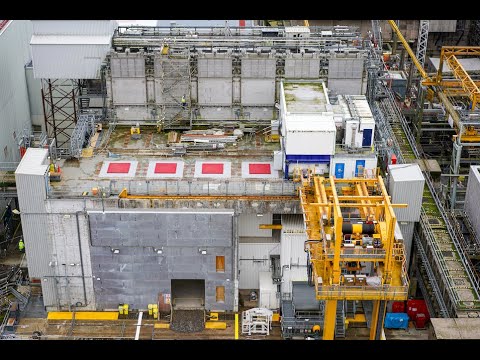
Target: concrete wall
{"points": [[138, 274]]}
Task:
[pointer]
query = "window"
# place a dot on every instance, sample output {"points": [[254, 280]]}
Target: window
{"points": [[220, 293], [220, 263], [15, 135], [5, 151]]}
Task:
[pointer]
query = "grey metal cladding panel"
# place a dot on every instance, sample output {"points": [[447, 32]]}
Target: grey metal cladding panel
{"points": [[31, 192], [258, 91], [442, 25], [129, 91], [345, 86], [302, 68], [411, 193], [37, 245], [115, 67], [345, 68], [258, 68], [215, 91], [215, 68]]}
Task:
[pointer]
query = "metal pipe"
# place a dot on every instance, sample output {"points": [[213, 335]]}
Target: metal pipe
{"points": [[81, 259]]}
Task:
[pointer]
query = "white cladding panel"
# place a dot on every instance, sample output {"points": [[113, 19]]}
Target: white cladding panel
{"points": [[254, 258], [248, 225], [68, 61], [74, 27], [350, 164]]}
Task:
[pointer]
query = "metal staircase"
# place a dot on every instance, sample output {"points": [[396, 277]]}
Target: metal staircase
{"points": [[340, 321]]}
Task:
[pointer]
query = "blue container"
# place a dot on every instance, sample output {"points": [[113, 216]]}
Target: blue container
{"points": [[396, 321]]}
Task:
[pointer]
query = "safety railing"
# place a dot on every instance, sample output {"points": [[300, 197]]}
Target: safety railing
{"points": [[367, 292], [182, 187]]}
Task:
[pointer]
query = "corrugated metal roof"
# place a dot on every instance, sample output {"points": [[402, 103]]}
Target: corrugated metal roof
{"points": [[310, 122], [74, 27], [33, 162], [70, 40], [73, 61], [405, 172]]}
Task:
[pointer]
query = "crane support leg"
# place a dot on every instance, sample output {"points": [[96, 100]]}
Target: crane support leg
{"points": [[378, 316], [329, 321]]}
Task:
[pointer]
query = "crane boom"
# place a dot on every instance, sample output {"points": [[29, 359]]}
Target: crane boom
{"points": [[419, 66]]}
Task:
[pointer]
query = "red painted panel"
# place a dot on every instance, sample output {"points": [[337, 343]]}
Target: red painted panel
{"points": [[165, 168], [398, 307], [259, 169], [118, 168], [212, 168], [241, 22]]}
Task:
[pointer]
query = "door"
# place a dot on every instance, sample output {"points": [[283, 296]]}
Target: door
{"points": [[339, 170], [367, 137], [359, 167]]}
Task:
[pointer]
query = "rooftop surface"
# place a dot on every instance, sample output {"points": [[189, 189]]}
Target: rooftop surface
{"points": [[305, 97], [152, 158]]}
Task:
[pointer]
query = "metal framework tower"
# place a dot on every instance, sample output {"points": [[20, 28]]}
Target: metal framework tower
{"points": [[59, 98], [422, 41], [377, 33]]}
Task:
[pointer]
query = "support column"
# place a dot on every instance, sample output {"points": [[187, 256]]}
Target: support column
{"points": [[329, 321], [378, 316]]}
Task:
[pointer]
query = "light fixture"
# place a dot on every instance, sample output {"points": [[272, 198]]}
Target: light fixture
{"points": [[116, 251], [259, 215], [52, 263], [202, 251], [159, 250]]}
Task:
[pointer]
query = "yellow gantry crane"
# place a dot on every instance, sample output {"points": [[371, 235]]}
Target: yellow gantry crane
{"points": [[353, 254], [464, 85]]}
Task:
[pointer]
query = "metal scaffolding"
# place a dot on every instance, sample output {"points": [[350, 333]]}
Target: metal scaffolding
{"points": [[84, 129], [175, 74], [59, 98]]}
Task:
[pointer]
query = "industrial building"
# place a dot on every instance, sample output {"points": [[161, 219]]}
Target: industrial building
{"points": [[320, 178]]}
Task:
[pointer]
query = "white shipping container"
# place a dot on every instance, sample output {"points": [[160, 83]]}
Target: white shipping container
{"points": [[472, 198], [405, 186], [308, 134]]}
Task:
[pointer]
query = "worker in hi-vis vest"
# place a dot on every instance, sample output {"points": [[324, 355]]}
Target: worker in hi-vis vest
{"points": [[21, 246], [184, 102]]}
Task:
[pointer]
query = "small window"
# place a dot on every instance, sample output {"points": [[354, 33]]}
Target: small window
{"points": [[15, 135], [5, 151], [220, 293], [220, 263]]}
